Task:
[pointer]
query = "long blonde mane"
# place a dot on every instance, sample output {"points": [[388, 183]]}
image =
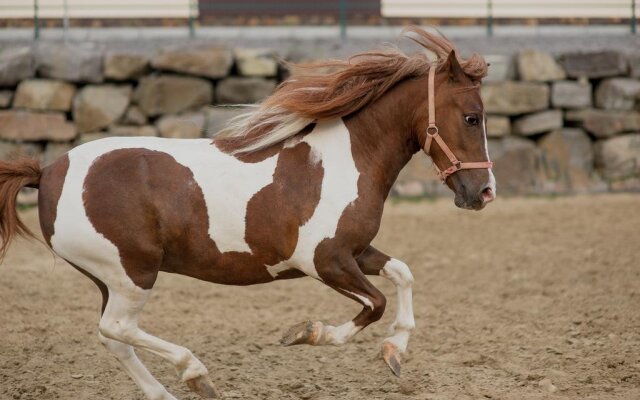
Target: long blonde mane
{"points": [[313, 94]]}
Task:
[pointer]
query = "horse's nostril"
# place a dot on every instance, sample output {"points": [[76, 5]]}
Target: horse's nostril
{"points": [[487, 195]]}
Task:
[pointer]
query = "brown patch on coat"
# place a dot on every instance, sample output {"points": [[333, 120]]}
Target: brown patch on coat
{"points": [[167, 222], [51, 184]]}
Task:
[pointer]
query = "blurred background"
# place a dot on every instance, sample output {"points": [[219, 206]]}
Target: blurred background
{"points": [[532, 298], [561, 96]]}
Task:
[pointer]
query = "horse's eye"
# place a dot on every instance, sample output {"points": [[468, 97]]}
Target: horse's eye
{"points": [[472, 119]]}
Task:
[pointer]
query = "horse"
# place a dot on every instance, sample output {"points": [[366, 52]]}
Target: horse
{"points": [[294, 188]]}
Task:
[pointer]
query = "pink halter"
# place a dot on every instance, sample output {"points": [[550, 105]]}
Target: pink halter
{"points": [[432, 134]]}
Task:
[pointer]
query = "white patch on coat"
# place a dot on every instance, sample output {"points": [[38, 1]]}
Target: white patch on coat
{"points": [[398, 273], [331, 142], [492, 178], [226, 182]]}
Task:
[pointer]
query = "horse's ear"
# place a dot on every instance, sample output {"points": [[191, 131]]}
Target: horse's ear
{"points": [[456, 73]]}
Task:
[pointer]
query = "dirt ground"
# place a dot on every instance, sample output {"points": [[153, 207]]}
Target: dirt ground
{"points": [[530, 299]]}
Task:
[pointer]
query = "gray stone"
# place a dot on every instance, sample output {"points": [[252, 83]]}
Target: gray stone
{"points": [[619, 158], [90, 137], [186, 126], [516, 165], [134, 116], [16, 64], [498, 126], [244, 90], [217, 117], [571, 94], [31, 126], [5, 98], [598, 64], [577, 115], [133, 130], [539, 122], [617, 93], [501, 68], [418, 178], [634, 65], [11, 150], [98, 106], [567, 159], [538, 66], [210, 62], [513, 98], [125, 66], [78, 62], [53, 151], [256, 62], [604, 124], [172, 94], [44, 94]]}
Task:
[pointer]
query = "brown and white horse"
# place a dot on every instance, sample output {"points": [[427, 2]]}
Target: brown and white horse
{"points": [[295, 188]]}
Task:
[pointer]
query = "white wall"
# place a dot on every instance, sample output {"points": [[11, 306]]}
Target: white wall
{"points": [[508, 8], [99, 8]]}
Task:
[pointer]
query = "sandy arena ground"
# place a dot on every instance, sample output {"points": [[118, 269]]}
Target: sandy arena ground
{"points": [[509, 301]]}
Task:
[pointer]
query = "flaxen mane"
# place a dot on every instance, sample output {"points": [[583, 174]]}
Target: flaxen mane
{"points": [[313, 94]]}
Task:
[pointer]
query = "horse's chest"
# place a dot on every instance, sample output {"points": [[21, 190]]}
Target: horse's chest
{"points": [[293, 204]]}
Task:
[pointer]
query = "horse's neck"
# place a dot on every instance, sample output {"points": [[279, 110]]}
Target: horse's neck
{"points": [[381, 140]]}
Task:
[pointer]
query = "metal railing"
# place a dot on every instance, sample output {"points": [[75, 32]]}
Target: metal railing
{"points": [[489, 12]]}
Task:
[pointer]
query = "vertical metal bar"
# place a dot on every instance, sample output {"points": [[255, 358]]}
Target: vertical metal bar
{"points": [[489, 18], [634, 22], [192, 27], [65, 20], [343, 18], [36, 24]]}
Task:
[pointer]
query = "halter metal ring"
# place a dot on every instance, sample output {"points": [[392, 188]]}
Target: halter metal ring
{"points": [[432, 128]]}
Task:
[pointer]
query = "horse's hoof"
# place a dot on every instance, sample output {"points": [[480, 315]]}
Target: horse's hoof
{"points": [[302, 333], [203, 386], [391, 356]]}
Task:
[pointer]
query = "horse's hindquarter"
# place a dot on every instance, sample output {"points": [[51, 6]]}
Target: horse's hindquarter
{"points": [[184, 206]]}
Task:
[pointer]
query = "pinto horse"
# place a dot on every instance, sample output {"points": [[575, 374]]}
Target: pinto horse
{"points": [[294, 188]]}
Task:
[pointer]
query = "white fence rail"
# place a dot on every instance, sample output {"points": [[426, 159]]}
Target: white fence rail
{"points": [[508, 8], [99, 8]]}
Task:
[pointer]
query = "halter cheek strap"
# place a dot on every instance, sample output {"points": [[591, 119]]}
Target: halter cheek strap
{"points": [[432, 135]]}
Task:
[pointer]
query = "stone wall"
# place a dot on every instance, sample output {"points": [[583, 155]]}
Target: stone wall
{"points": [[556, 124]]}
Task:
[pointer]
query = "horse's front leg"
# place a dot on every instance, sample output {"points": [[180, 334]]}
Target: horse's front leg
{"points": [[343, 275], [374, 262]]}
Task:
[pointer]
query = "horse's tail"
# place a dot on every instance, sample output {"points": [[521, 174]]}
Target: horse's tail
{"points": [[14, 175]]}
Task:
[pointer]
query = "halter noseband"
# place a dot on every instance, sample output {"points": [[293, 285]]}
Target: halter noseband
{"points": [[432, 134]]}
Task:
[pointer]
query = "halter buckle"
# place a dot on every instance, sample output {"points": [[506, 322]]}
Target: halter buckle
{"points": [[457, 165]]}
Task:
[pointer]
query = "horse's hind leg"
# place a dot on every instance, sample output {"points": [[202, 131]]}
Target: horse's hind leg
{"points": [[127, 357], [136, 370], [120, 323]]}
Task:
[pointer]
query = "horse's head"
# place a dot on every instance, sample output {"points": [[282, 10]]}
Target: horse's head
{"points": [[455, 135]]}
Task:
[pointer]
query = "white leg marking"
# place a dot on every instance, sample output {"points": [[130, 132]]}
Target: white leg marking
{"points": [[366, 301], [338, 335], [398, 273], [120, 322], [331, 143], [136, 370]]}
